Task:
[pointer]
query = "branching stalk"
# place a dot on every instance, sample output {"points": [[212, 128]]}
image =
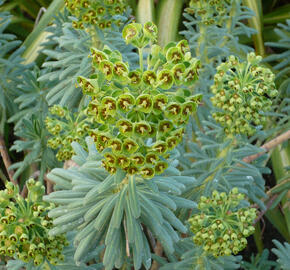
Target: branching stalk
{"points": [[6, 160], [269, 145]]}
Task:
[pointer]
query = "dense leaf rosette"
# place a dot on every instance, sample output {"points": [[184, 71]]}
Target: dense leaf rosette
{"points": [[116, 209]]}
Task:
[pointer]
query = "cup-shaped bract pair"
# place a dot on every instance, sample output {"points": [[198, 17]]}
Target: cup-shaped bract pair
{"points": [[140, 36]]}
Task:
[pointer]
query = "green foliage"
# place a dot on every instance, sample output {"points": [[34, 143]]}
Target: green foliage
{"points": [[32, 130], [29, 124], [281, 66], [69, 58], [260, 262], [194, 258], [282, 252], [102, 207], [11, 69], [103, 76], [216, 164], [25, 15]]}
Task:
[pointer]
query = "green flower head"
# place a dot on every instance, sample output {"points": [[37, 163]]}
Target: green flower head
{"points": [[25, 234], [222, 225], [135, 116], [95, 12], [244, 89]]}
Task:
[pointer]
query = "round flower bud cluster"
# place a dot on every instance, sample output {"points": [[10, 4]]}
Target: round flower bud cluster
{"points": [[242, 91], [222, 227], [24, 226], [66, 128], [209, 11], [96, 12], [140, 115]]}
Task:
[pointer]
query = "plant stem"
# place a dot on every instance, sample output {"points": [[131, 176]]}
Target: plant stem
{"points": [[156, 65], [141, 58], [258, 238], [256, 23], [94, 37], [3, 177], [280, 158], [24, 191], [6, 160], [127, 240], [269, 204], [222, 154], [169, 14], [158, 251], [145, 11], [269, 145]]}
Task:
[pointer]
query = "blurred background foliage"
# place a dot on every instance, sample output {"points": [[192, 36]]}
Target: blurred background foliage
{"points": [[25, 15]]}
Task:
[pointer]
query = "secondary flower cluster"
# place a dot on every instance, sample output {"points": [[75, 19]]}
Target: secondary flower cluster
{"points": [[66, 128], [139, 115], [96, 12], [242, 91], [209, 11], [222, 227], [24, 226]]}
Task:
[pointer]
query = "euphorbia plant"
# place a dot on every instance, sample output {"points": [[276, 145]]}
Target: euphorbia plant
{"points": [[137, 118], [129, 107], [159, 136]]}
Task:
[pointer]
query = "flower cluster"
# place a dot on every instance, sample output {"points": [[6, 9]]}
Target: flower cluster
{"points": [[68, 127], [209, 11], [96, 12], [242, 91], [222, 227], [139, 115], [24, 226]]}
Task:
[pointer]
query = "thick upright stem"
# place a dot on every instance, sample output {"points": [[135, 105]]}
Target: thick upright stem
{"points": [[141, 59]]}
